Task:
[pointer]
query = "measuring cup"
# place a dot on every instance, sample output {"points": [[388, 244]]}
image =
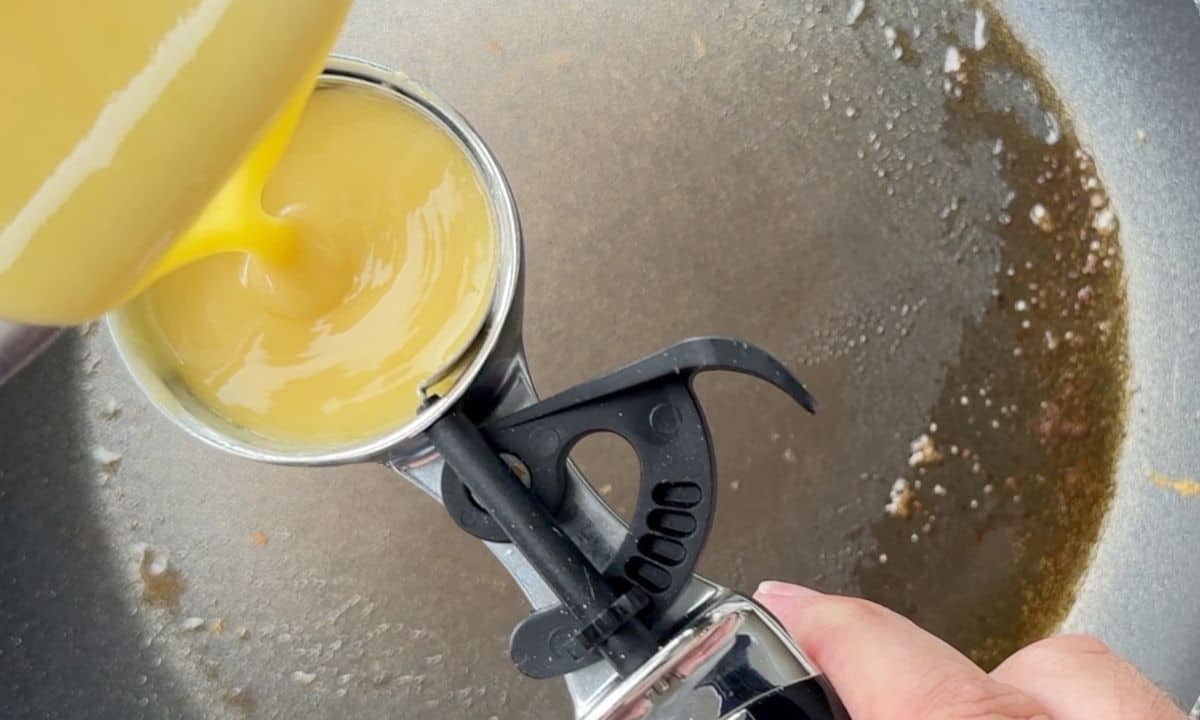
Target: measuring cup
{"points": [[717, 654]]}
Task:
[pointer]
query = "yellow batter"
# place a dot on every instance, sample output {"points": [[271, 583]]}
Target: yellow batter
{"points": [[392, 275], [303, 287], [120, 121]]}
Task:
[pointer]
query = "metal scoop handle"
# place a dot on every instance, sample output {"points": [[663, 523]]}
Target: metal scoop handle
{"points": [[731, 662]]}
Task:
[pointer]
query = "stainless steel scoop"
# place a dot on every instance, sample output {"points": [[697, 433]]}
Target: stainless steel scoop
{"points": [[703, 651]]}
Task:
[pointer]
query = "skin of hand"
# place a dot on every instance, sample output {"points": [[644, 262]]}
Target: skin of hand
{"points": [[886, 668]]}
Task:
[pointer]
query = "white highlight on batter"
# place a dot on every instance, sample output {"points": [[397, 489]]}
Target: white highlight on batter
{"points": [[98, 148]]}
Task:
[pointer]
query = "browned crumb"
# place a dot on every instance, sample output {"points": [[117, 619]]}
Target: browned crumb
{"points": [[903, 497], [240, 698], [162, 585], [924, 452]]}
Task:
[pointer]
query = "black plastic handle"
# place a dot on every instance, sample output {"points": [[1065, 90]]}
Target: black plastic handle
{"points": [[652, 405]]}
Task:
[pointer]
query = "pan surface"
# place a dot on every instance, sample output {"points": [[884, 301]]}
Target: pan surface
{"points": [[978, 259]]}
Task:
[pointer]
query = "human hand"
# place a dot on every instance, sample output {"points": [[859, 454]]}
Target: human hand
{"points": [[886, 668]]}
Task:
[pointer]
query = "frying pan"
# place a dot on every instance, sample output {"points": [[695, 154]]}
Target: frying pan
{"points": [[689, 169]]}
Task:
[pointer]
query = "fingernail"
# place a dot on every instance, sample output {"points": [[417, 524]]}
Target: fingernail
{"points": [[786, 590]]}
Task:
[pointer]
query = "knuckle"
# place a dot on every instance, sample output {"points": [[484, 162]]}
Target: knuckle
{"points": [[1137, 693], [837, 611], [959, 696], [1162, 708], [1114, 680], [1049, 655], [831, 620], [1073, 645]]}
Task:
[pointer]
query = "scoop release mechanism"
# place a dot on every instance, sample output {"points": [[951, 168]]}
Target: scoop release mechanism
{"points": [[507, 482]]}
